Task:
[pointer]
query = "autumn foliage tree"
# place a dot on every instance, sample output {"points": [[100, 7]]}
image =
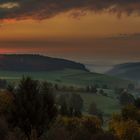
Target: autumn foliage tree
{"points": [[126, 125], [67, 128]]}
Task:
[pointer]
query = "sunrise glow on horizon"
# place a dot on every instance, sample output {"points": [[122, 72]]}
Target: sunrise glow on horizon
{"points": [[94, 30]]}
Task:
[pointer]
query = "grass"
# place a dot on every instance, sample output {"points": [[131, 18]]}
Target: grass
{"points": [[108, 105], [68, 77]]}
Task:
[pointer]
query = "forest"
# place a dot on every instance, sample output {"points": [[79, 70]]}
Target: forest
{"points": [[37, 110]]}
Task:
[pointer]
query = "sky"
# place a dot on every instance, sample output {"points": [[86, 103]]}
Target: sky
{"points": [[99, 32]]}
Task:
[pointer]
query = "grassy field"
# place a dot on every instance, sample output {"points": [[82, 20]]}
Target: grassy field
{"points": [[68, 77], [106, 104]]}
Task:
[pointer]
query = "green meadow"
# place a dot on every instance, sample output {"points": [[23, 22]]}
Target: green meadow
{"points": [[68, 77], [107, 104]]}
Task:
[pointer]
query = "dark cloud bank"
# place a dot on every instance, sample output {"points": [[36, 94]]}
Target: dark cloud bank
{"points": [[43, 9]]}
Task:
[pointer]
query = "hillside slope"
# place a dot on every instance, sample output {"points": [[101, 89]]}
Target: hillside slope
{"points": [[68, 77], [28, 62], [128, 71]]}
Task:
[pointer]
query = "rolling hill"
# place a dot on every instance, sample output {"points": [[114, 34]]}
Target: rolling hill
{"points": [[129, 71], [32, 63], [65, 72]]}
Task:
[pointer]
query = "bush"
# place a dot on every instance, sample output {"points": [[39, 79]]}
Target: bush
{"points": [[93, 110], [126, 99], [83, 128]]}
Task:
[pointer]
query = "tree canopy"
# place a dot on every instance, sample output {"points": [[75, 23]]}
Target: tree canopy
{"points": [[33, 107]]}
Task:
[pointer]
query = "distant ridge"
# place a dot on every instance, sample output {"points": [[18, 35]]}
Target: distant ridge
{"points": [[30, 62], [127, 70]]}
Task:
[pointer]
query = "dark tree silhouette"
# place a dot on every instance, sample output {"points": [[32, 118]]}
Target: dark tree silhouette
{"points": [[70, 105], [105, 86], [75, 105], [33, 108], [3, 129], [137, 103], [93, 110], [126, 98], [131, 86], [3, 84], [94, 89], [63, 107], [88, 89]]}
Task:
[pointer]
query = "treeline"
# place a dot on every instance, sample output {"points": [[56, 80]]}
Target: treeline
{"points": [[89, 88], [93, 88], [32, 112]]}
